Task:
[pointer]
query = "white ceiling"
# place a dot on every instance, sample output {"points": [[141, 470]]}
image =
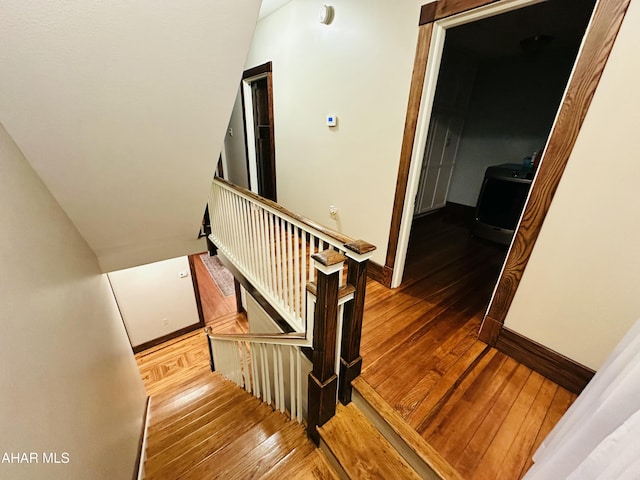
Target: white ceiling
{"points": [[121, 108], [270, 6]]}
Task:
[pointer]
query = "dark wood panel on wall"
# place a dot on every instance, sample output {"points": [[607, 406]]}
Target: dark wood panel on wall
{"points": [[380, 273], [411, 123], [167, 337], [562, 370], [588, 69], [258, 70]]}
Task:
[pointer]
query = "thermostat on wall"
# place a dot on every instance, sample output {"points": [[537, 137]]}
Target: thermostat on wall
{"points": [[332, 120]]}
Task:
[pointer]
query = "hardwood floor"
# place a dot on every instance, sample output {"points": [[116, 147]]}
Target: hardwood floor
{"points": [[214, 304], [202, 426], [482, 411]]}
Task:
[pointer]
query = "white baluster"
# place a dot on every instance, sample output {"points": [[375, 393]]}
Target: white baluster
{"points": [[253, 358], [296, 275], [245, 367], [283, 246], [280, 369], [292, 382], [265, 373], [292, 292], [276, 375], [299, 384]]}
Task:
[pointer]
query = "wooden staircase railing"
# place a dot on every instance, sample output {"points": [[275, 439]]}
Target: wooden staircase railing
{"points": [[314, 277]]}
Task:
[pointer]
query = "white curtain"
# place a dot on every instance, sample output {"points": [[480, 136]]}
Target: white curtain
{"points": [[599, 436]]}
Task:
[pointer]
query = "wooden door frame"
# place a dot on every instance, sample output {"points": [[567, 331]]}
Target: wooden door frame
{"points": [[589, 65], [248, 76]]}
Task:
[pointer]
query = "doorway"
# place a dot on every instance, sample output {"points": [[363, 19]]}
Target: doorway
{"points": [[257, 100], [431, 46]]}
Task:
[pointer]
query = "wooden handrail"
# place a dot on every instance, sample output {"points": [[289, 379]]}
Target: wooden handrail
{"points": [[281, 253], [345, 240], [294, 338]]}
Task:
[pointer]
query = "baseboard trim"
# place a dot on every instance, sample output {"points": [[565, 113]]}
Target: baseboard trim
{"points": [[379, 273], [138, 471], [165, 338], [565, 372]]}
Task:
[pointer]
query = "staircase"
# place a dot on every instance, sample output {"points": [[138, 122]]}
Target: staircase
{"points": [[311, 282], [226, 433], [207, 427]]}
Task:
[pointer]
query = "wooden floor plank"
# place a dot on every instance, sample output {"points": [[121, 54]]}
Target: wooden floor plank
{"points": [[421, 355], [203, 426], [520, 450], [493, 459], [562, 400], [361, 449]]}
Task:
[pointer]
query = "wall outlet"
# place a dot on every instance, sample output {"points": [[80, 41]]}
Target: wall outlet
{"points": [[165, 322], [333, 211]]}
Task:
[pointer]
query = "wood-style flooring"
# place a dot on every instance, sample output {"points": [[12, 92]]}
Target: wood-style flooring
{"points": [[202, 426], [214, 304], [481, 410]]}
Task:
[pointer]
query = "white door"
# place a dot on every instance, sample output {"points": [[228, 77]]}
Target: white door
{"points": [[439, 160], [445, 129]]}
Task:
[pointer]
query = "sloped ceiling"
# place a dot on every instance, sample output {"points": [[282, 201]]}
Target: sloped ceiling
{"points": [[121, 107]]}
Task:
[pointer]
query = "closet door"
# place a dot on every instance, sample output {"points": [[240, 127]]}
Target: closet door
{"points": [[439, 160]]}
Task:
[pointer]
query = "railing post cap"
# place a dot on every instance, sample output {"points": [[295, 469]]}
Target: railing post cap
{"points": [[328, 261], [359, 250]]}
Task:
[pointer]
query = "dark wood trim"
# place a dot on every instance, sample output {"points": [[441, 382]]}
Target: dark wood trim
{"points": [[489, 330], [339, 237], [167, 337], [379, 273], [597, 46], [251, 290], [562, 370], [196, 289], [427, 13], [140, 455], [410, 125], [323, 382], [236, 287], [257, 70], [448, 8], [261, 71], [272, 136], [350, 359]]}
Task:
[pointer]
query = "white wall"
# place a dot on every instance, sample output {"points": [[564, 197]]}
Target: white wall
{"points": [[121, 108], [358, 68], [513, 105], [68, 379], [154, 299], [579, 292], [235, 147]]}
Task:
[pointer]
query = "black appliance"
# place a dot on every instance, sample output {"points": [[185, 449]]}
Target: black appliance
{"points": [[504, 192]]}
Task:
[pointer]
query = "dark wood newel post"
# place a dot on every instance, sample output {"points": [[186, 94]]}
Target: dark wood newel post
{"points": [[359, 253], [323, 382]]}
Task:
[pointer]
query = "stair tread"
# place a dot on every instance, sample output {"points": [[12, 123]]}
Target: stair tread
{"points": [[410, 437], [185, 453], [302, 463], [361, 449]]}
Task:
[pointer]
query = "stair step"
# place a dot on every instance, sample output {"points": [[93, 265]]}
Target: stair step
{"points": [[359, 450], [413, 448], [214, 429]]}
